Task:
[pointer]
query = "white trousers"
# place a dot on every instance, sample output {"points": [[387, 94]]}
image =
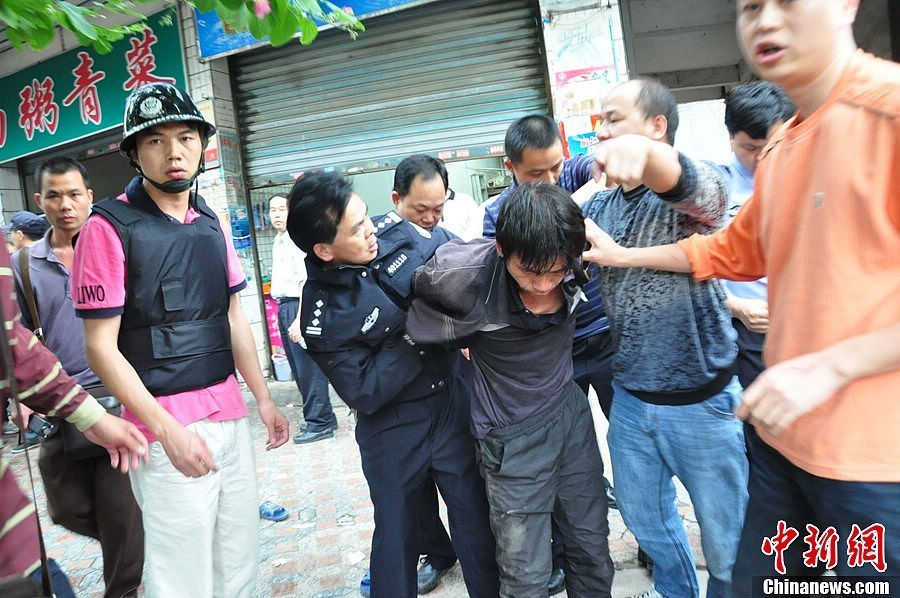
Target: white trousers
{"points": [[201, 537]]}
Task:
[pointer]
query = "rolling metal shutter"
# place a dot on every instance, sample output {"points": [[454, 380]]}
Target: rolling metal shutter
{"points": [[444, 76]]}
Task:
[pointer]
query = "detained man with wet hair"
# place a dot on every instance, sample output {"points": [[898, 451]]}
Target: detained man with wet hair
{"points": [[512, 301]]}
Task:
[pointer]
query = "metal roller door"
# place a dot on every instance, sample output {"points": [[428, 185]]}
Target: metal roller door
{"points": [[444, 76]]}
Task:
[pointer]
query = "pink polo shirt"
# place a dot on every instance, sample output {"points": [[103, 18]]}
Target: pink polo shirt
{"points": [[100, 264]]}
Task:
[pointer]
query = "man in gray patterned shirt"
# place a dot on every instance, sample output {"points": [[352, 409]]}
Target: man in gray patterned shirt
{"points": [[674, 379]]}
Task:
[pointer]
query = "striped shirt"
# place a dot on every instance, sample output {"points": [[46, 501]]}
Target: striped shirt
{"points": [[45, 387]]}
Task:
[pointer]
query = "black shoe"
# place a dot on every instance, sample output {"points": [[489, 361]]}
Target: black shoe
{"points": [[645, 560], [428, 577], [557, 582], [333, 427], [610, 495], [307, 437]]}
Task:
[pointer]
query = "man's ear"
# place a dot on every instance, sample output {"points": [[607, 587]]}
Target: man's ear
{"points": [[323, 251], [509, 166], [37, 200], [499, 250], [659, 128], [395, 197]]}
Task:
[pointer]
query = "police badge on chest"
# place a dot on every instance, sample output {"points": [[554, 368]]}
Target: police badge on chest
{"points": [[370, 320]]}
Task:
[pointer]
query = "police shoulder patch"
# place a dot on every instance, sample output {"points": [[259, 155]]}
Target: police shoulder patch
{"points": [[314, 327], [388, 221]]}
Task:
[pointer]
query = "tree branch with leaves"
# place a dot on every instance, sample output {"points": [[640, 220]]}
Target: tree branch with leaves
{"points": [[33, 23]]}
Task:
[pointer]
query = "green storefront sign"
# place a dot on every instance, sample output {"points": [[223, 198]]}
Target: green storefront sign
{"points": [[80, 92]]}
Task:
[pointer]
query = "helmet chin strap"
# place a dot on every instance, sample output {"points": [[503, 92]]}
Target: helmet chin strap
{"points": [[177, 185]]}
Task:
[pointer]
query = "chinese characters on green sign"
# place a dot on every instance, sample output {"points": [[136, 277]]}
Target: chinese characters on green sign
{"points": [[80, 92]]}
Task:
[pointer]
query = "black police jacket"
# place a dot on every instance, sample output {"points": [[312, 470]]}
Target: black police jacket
{"points": [[174, 329], [353, 321]]}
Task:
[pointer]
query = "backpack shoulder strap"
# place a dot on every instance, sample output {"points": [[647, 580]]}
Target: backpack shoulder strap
{"points": [[28, 291]]}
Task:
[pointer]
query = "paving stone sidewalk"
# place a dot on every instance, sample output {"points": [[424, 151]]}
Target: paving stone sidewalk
{"points": [[322, 549]]}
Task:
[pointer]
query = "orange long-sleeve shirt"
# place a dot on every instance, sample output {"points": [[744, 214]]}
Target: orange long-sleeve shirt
{"points": [[824, 226]]}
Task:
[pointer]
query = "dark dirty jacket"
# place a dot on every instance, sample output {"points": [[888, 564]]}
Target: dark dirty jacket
{"points": [[520, 361]]}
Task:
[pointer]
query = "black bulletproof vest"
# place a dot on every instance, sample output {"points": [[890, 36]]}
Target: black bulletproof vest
{"points": [[174, 330]]}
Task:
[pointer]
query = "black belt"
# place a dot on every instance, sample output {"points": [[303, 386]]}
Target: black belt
{"points": [[283, 300]]}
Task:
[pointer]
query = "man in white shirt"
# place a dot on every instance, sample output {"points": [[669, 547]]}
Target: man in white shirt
{"points": [[462, 215], [288, 277]]}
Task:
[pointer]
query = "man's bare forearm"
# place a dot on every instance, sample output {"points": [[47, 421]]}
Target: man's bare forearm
{"points": [[867, 354], [120, 377], [243, 347], [662, 257]]}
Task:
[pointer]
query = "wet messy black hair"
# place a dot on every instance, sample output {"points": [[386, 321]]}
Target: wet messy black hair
{"points": [[540, 223]]}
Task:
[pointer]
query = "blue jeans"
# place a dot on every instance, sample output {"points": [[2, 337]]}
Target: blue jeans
{"points": [[702, 444], [781, 491], [311, 382]]}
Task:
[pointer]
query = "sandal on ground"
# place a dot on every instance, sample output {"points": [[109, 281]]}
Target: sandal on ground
{"points": [[273, 512]]}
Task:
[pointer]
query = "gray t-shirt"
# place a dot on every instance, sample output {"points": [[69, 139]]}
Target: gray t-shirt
{"points": [[674, 332], [52, 284]]}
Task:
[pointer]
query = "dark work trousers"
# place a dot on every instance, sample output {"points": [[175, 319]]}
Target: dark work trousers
{"points": [[405, 447], [436, 544], [750, 358], [592, 358], [311, 382], [782, 492], [89, 497], [547, 467]]}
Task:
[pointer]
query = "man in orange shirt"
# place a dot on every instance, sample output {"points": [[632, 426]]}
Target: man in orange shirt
{"points": [[824, 225]]}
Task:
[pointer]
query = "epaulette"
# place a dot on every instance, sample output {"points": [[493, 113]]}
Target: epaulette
{"points": [[387, 222]]}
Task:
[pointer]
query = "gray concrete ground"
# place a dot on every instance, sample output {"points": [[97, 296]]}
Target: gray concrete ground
{"points": [[322, 549]]}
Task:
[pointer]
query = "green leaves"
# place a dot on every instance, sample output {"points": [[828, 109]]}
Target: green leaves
{"points": [[73, 18], [308, 32], [33, 23]]}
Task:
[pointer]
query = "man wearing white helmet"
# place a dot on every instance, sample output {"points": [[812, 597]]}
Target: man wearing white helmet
{"points": [[156, 280]]}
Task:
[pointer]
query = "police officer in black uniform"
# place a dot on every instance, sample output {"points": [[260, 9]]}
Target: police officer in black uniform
{"points": [[412, 428]]}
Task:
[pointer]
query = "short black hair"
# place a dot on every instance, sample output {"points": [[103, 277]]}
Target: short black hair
{"points": [[59, 165], [535, 131], [316, 205], [754, 107], [540, 223], [416, 165], [655, 99]]}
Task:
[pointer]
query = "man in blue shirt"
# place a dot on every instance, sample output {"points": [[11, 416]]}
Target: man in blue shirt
{"points": [[753, 112]]}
